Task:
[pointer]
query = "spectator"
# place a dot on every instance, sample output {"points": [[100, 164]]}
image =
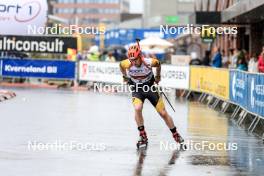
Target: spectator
{"points": [[194, 59], [110, 58], [94, 56], [116, 55], [247, 56], [93, 53], [225, 61], [79, 56], [253, 64], [103, 55], [241, 62], [206, 59], [85, 57], [261, 62], [233, 58], [217, 58]]}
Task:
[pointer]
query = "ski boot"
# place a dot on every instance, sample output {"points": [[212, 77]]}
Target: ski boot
{"points": [[177, 137], [143, 140]]}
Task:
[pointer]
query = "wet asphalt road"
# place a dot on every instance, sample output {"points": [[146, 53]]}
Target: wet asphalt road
{"points": [[105, 122]]}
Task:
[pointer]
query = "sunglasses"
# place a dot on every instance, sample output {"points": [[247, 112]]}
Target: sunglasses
{"points": [[133, 59]]}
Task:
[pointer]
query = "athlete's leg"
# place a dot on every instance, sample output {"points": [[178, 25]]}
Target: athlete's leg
{"points": [[164, 114], [138, 106], [168, 120], [157, 102]]}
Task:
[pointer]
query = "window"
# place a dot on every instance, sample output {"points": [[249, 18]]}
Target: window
{"points": [[212, 5], [78, 10], [55, 10]]}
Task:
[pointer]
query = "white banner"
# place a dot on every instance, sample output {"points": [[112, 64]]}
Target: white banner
{"points": [[100, 72], [175, 76], [16, 16], [171, 76]]}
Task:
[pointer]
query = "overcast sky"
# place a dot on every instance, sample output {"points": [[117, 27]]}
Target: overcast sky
{"points": [[136, 6]]}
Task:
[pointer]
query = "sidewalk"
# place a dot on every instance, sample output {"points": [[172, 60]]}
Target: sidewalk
{"points": [[44, 86]]}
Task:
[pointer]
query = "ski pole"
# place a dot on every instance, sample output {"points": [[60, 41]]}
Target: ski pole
{"points": [[167, 100]]}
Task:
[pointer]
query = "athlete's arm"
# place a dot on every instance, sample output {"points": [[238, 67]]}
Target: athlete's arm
{"points": [[124, 65], [156, 63], [122, 69]]}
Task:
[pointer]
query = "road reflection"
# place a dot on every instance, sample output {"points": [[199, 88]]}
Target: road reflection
{"points": [[142, 154]]}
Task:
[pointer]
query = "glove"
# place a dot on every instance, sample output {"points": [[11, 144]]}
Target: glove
{"points": [[157, 79], [126, 78]]}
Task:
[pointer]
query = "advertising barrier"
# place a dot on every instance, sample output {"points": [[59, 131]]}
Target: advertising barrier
{"points": [[38, 68], [22, 13], [239, 87], [256, 94], [247, 91], [37, 44], [171, 76], [210, 80], [175, 76], [100, 72]]}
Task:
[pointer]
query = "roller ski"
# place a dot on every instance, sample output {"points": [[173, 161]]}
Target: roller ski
{"points": [[143, 141]]}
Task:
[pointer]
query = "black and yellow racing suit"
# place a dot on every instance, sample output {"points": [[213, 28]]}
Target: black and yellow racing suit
{"points": [[141, 82]]}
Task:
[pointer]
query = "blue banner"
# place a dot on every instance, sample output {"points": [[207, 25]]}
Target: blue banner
{"points": [[127, 36], [38, 68], [238, 87], [256, 94]]}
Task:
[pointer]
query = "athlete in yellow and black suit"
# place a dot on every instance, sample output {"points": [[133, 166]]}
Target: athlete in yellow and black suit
{"points": [[142, 80], [137, 71]]}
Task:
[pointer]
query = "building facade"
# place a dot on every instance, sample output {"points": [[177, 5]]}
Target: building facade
{"points": [[171, 12], [90, 12], [247, 15]]}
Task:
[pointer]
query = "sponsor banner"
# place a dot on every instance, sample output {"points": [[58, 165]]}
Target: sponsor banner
{"points": [[175, 76], [171, 76], [100, 72], [1, 66], [38, 68], [38, 44], [256, 94], [210, 80], [17, 15], [239, 87]]}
